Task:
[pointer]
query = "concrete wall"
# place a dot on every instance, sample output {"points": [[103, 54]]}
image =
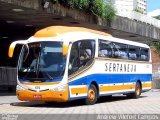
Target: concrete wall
{"points": [[155, 69], [34, 4], [136, 27]]}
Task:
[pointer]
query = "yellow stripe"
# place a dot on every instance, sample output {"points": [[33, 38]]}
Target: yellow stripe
{"points": [[82, 90], [144, 85], [50, 95], [43, 83], [116, 87], [79, 72]]}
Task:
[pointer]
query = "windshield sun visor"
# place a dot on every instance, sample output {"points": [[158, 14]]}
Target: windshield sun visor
{"points": [[12, 47]]}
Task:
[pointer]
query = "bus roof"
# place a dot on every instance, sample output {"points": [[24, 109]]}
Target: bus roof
{"points": [[69, 32], [124, 41], [54, 31]]}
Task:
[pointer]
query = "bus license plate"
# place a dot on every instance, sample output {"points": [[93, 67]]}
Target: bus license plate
{"points": [[37, 96]]}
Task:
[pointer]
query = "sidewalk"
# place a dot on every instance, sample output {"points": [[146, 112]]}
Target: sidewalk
{"points": [[155, 90]]}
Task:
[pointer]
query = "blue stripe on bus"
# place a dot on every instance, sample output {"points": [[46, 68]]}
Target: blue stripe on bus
{"points": [[112, 79]]}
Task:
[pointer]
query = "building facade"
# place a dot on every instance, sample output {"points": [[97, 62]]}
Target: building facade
{"points": [[142, 5], [127, 6]]}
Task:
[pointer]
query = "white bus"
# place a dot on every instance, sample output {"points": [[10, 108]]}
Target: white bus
{"points": [[61, 63]]}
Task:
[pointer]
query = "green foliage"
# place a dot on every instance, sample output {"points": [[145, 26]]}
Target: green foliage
{"points": [[97, 8], [54, 1], [64, 2], [156, 45], [157, 17], [138, 10], [109, 12], [81, 4], [77, 4]]}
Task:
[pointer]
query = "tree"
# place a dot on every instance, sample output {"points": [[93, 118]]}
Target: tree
{"points": [[157, 17], [156, 45], [97, 8], [138, 10], [109, 13]]}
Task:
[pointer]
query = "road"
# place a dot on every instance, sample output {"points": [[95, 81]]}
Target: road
{"points": [[148, 103]]}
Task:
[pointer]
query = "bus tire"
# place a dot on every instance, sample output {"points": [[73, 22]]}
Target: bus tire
{"points": [[92, 95], [49, 102], [137, 93]]}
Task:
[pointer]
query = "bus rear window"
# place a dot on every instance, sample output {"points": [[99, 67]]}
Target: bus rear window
{"points": [[144, 55]]}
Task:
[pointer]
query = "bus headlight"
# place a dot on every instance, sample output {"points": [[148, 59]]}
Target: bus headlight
{"points": [[60, 88], [19, 88]]}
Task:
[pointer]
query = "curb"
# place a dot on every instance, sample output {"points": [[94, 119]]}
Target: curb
{"points": [[155, 90]]}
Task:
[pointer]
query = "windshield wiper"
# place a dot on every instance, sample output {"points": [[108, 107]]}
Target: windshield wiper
{"points": [[38, 60], [48, 75]]}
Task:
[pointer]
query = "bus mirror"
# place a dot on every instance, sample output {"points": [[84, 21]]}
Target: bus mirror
{"points": [[65, 49], [12, 47], [11, 50]]}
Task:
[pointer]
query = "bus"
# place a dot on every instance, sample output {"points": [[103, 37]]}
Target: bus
{"points": [[61, 63]]}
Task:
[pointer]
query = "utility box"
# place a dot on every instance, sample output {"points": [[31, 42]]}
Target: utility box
{"points": [[8, 77]]}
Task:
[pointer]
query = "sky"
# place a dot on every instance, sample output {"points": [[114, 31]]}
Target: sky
{"points": [[153, 7]]}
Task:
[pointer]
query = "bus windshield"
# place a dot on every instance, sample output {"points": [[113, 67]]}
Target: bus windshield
{"points": [[41, 61]]}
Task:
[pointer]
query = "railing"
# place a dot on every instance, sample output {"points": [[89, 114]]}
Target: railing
{"points": [[140, 17], [8, 76]]}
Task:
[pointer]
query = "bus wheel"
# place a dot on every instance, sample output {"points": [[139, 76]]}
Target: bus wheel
{"points": [[49, 102], [92, 95], [137, 92]]}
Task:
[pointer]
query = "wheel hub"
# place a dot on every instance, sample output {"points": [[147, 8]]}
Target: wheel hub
{"points": [[138, 90], [91, 95]]}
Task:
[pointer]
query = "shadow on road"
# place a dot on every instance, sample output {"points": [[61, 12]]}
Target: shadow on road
{"points": [[115, 98], [5, 93], [74, 103]]}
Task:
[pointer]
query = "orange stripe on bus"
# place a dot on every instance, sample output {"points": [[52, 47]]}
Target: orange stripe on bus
{"points": [[144, 85], [45, 95], [82, 90], [116, 87]]}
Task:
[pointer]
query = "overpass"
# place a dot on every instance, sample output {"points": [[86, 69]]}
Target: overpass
{"points": [[31, 13]]}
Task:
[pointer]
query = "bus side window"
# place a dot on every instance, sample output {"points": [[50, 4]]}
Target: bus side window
{"points": [[133, 53], [73, 61], [120, 51], [105, 49], [82, 52], [144, 54], [86, 51]]}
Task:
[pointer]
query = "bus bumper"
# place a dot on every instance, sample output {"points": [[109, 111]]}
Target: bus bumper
{"points": [[49, 95]]}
